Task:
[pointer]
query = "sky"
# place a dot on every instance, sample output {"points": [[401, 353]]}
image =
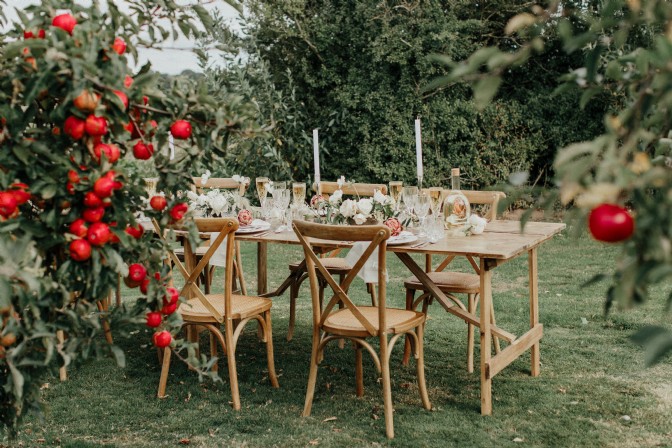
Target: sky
{"points": [[162, 60]]}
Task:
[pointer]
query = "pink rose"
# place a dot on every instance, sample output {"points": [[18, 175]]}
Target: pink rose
{"points": [[394, 225], [245, 217], [317, 200]]}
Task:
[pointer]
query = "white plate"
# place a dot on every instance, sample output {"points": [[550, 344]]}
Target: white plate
{"points": [[253, 228], [401, 239]]}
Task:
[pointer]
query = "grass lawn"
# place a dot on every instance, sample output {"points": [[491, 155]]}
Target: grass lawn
{"points": [[593, 390]]}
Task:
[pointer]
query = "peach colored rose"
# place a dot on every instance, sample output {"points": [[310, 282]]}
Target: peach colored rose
{"points": [[245, 217], [394, 225], [317, 200]]}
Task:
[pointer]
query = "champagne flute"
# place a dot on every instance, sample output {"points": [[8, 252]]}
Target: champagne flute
{"points": [[435, 199], [299, 193], [395, 190], [262, 189]]}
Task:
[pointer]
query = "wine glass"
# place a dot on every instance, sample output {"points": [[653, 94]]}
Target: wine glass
{"points": [[262, 189], [278, 186], [435, 199], [299, 193], [421, 207]]}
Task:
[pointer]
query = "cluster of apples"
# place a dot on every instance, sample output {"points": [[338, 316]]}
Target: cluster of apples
{"points": [[12, 198]]}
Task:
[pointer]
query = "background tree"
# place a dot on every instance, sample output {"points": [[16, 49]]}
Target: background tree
{"points": [[70, 109]]}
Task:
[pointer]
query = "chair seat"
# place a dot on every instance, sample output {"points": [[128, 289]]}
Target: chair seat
{"points": [[241, 307], [456, 282], [343, 322], [334, 265]]}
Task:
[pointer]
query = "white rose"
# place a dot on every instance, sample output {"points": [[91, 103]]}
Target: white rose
{"points": [[218, 204], [477, 224], [348, 208], [359, 219], [365, 206], [336, 197], [379, 197], [192, 196]]}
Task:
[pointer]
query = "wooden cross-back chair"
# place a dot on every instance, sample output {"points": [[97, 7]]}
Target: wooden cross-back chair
{"points": [[210, 311], [354, 322], [222, 183], [451, 283], [334, 264]]}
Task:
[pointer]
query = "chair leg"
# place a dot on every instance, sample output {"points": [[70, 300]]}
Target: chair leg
{"points": [[213, 350], [231, 361], [359, 371], [312, 374], [269, 350], [341, 342], [293, 294], [206, 278], [422, 385], [371, 288], [239, 270], [165, 366], [387, 388], [410, 296], [470, 334]]}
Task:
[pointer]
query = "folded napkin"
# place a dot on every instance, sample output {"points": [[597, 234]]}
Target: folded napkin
{"points": [[369, 272]]}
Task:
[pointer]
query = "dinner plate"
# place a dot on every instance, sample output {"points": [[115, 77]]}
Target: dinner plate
{"points": [[254, 228], [402, 239]]}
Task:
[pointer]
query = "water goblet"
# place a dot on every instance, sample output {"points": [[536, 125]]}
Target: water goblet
{"points": [[406, 196], [421, 208], [434, 228]]}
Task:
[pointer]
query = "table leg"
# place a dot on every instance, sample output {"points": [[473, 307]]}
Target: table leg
{"points": [[534, 309], [486, 337], [262, 274]]}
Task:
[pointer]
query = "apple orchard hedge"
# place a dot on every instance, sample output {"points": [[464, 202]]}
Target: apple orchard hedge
{"points": [[70, 109]]}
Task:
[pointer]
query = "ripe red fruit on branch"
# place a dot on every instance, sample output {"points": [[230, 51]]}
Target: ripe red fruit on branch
{"points": [[111, 152], [79, 228], [144, 286], [137, 272], [20, 192], [169, 309], [7, 204], [135, 232], [93, 214], [86, 101], [158, 203], [123, 97], [95, 126], [74, 127], [119, 46], [80, 250], [73, 177], [142, 151], [103, 187], [98, 234], [162, 339], [29, 34], [65, 22], [154, 319], [610, 223], [181, 129], [178, 211], [91, 200], [172, 296]]}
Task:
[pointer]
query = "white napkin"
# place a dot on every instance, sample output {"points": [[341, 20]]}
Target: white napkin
{"points": [[219, 257], [369, 272]]}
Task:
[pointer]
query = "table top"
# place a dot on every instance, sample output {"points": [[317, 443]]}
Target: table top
{"points": [[500, 240]]}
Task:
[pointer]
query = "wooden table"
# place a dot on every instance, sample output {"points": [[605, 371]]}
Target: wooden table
{"points": [[502, 241]]}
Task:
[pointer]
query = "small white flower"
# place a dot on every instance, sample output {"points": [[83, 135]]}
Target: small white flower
{"points": [[478, 224], [365, 206], [336, 197], [205, 177], [236, 178], [341, 181], [348, 208], [359, 219], [192, 196], [379, 197]]}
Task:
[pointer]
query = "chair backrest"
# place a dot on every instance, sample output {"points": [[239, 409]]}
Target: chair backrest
{"points": [[488, 199], [224, 183], [377, 236], [226, 227], [349, 189]]}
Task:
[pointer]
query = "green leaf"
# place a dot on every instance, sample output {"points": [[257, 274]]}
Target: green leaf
{"points": [[204, 16], [485, 90], [17, 380], [119, 356]]}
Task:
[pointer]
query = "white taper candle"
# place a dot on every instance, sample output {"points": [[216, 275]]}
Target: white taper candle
{"points": [[316, 155], [418, 148]]}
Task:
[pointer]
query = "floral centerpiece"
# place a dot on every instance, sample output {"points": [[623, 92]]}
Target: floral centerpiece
{"points": [[216, 203], [337, 210]]}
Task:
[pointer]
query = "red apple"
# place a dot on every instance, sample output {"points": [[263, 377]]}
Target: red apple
{"points": [[91, 200], [135, 232], [142, 151], [137, 272], [181, 129], [158, 203], [104, 187], [98, 234], [93, 214], [79, 228], [41, 34], [123, 97], [119, 46], [20, 192], [70, 188], [610, 223], [111, 152], [144, 286], [169, 309], [86, 101], [162, 339], [30, 35], [154, 319], [73, 176], [80, 250], [7, 204], [74, 127], [172, 296], [95, 126], [65, 22], [178, 211]]}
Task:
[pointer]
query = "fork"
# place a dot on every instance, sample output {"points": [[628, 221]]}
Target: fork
{"points": [[419, 245]]}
